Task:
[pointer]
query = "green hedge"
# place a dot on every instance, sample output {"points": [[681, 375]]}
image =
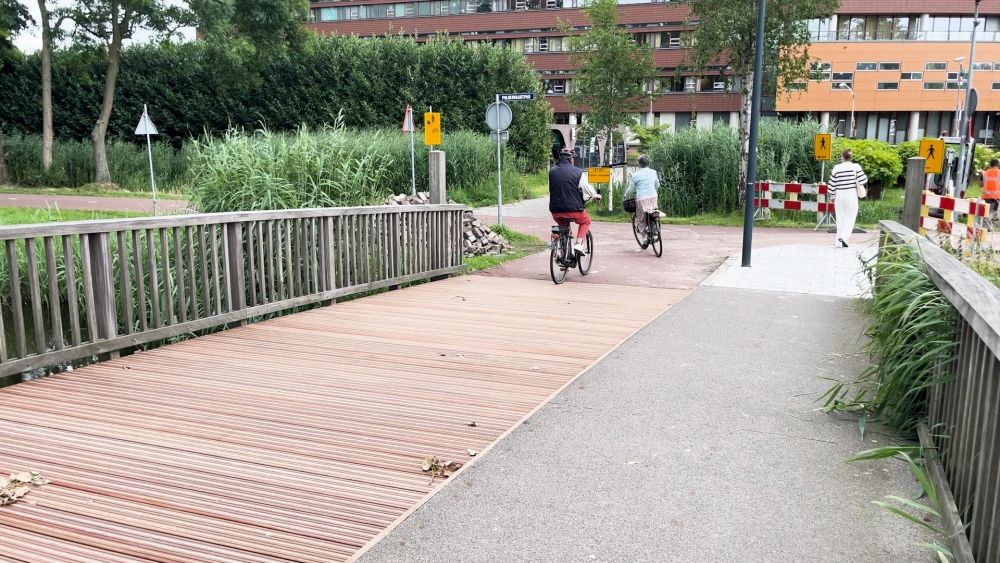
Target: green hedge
{"points": [[200, 87]]}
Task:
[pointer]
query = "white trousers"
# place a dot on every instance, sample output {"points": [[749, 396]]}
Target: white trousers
{"points": [[846, 204]]}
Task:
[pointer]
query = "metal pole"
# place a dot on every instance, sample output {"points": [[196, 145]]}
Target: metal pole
{"points": [[413, 162], [758, 70], [958, 101], [149, 151], [854, 130], [961, 179], [499, 169]]}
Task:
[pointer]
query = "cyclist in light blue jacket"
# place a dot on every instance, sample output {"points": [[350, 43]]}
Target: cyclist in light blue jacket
{"points": [[644, 185]]}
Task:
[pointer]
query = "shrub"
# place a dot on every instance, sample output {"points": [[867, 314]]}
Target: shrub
{"points": [[878, 159]]}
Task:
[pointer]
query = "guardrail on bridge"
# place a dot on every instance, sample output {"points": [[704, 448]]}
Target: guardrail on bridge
{"points": [[73, 290], [964, 412]]}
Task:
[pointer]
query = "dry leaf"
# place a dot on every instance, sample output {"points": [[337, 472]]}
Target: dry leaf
{"points": [[473, 453], [473, 424]]}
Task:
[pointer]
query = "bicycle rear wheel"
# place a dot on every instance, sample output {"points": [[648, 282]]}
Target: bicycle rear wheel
{"points": [[584, 262], [556, 268], [640, 238], [655, 237]]}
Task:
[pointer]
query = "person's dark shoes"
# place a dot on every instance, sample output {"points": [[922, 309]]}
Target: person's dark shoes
{"points": [[842, 242]]}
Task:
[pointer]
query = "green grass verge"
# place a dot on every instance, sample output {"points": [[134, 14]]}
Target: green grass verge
{"points": [[538, 184], [25, 215], [93, 190], [523, 244], [869, 214]]}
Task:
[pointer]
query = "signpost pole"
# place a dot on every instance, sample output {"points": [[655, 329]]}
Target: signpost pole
{"points": [[413, 164], [758, 70], [149, 151], [960, 181], [499, 169]]}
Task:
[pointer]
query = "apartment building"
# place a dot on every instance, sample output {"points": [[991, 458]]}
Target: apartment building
{"points": [[903, 66], [532, 27]]}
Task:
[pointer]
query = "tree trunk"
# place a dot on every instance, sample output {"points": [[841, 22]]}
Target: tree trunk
{"points": [[46, 86], [4, 177], [101, 173], [746, 101]]}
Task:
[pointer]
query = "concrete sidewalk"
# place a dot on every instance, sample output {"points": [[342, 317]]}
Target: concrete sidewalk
{"points": [[695, 441]]}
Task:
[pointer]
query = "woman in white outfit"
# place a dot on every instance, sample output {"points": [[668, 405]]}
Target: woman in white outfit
{"points": [[844, 180]]}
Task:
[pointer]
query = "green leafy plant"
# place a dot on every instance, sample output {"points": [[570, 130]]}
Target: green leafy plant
{"points": [[879, 160], [912, 331], [649, 136]]}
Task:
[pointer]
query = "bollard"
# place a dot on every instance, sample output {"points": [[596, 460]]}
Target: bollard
{"points": [[914, 192], [436, 175]]}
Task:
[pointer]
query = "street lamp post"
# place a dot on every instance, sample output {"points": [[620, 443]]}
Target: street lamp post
{"points": [[958, 95], [843, 86], [966, 117]]}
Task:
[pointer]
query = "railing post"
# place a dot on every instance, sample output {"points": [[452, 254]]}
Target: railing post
{"points": [[235, 270], [102, 278], [914, 192]]}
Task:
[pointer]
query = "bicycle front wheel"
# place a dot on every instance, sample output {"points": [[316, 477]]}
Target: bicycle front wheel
{"points": [[584, 262], [655, 237], [557, 270], [640, 238]]}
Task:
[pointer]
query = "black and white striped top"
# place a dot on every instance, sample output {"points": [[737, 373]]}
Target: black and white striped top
{"points": [[846, 175]]}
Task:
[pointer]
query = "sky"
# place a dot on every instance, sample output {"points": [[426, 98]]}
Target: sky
{"points": [[31, 40]]}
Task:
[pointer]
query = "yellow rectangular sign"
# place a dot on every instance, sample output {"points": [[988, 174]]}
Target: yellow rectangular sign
{"points": [[599, 175], [822, 146], [432, 128], [933, 151]]}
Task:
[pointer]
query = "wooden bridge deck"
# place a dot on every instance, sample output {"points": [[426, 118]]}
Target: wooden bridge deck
{"points": [[296, 439]]}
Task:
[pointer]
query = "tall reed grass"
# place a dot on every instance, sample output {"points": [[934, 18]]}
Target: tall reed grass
{"points": [[73, 164]]}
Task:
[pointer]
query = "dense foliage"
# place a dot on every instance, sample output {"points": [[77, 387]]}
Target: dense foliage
{"points": [[878, 159], [200, 87]]}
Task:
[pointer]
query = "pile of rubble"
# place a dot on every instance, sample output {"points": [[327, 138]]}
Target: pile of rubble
{"points": [[478, 239]]}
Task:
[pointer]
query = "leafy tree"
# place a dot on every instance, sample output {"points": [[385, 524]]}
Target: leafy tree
{"points": [[727, 30], [109, 23], [649, 136], [14, 18], [610, 71]]}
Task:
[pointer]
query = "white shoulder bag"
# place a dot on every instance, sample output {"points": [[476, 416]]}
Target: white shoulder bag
{"points": [[862, 191]]}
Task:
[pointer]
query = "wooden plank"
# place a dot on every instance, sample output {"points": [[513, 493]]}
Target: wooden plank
{"points": [[261, 271], [192, 275], [289, 273], [140, 279], [55, 306], [214, 236], [69, 262], [314, 253], [297, 240], [125, 281], [228, 273], [35, 293], [104, 285], [86, 272], [179, 272], [248, 249], [154, 282], [278, 257], [168, 293], [203, 252]]}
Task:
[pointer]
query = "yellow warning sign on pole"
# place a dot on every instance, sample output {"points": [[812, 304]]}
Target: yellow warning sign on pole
{"points": [[432, 128], [933, 151], [822, 146], [599, 175]]}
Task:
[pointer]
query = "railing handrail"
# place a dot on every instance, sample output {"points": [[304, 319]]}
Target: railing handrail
{"points": [[975, 298], [11, 232]]}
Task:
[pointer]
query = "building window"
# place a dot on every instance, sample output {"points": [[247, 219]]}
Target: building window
{"points": [[996, 66], [797, 86], [911, 76], [996, 86], [555, 44], [555, 87], [841, 85], [933, 85], [888, 66], [982, 66], [690, 84], [954, 85], [935, 66], [888, 86], [843, 77], [865, 66], [670, 40]]}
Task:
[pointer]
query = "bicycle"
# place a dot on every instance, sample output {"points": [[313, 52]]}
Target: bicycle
{"points": [[564, 258], [652, 236]]}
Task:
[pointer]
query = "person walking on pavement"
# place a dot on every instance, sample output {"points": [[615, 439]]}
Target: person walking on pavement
{"points": [[567, 187], [991, 187], [644, 185], [844, 180]]}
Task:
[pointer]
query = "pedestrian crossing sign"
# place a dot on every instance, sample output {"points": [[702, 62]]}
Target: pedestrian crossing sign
{"points": [[933, 152], [822, 146], [432, 128]]}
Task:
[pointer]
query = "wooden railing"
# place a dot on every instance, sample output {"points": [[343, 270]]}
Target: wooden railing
{"points": [[964, 412], [69, 291]]}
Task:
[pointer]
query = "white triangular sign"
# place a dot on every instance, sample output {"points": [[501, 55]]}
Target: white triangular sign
{"points": [[408, 121], [145, 126]]}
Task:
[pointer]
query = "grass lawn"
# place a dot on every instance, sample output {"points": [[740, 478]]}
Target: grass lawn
{"points": [[523, 246], [870, 213], [24, 215], [538, 183], [92, 191]]}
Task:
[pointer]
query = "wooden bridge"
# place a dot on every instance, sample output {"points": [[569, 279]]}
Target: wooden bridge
{"points": [[297, 438]]}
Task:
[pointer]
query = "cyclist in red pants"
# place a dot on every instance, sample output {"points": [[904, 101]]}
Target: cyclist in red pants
{"points": [[566, 190]]}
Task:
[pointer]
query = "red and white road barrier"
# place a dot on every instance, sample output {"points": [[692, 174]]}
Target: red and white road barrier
{"points": [[791, 204], [973, 209]]}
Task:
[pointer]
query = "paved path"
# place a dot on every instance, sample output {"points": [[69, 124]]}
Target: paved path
{"points": [[537, 208], [92, 203]]}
